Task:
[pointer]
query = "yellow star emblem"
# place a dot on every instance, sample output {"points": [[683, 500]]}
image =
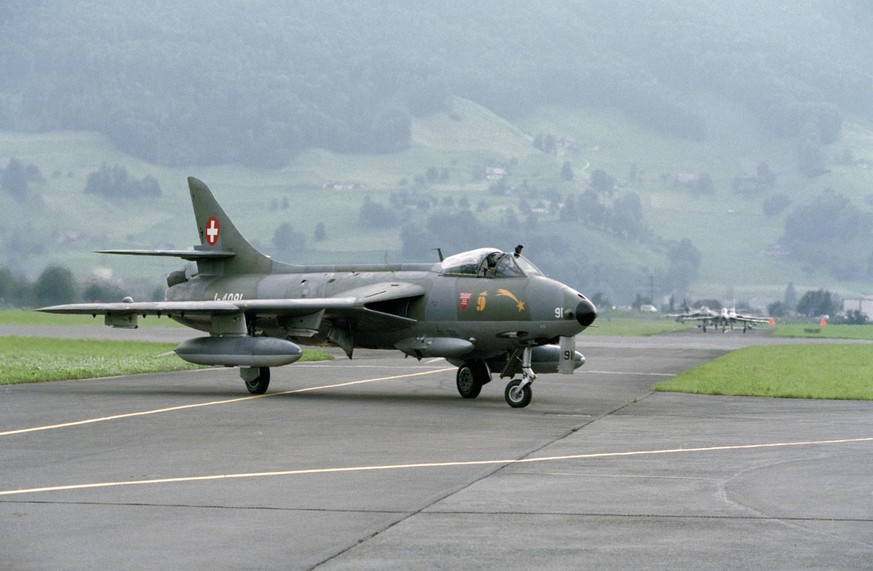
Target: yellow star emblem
{"points": [[506, 293]]}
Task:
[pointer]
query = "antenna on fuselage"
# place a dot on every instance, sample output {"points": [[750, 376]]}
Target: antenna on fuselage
{"points": [[439, 252]]}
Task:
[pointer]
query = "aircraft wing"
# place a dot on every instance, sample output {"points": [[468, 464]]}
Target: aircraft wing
{"points": [[143, 308], [750, 319], [170, 308], [375, 302]]}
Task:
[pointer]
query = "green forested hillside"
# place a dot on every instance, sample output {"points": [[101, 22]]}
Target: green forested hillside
{"points": [[458, 207], [700, 149], [211, 82]]}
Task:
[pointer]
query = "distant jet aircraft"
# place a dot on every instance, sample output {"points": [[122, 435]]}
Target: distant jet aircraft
{"points": [[725, 319], [730, 317], [486, 311], [703, 316]]}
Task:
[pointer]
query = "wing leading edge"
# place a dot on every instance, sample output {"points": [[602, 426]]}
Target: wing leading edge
{"points": [[362, 302]]}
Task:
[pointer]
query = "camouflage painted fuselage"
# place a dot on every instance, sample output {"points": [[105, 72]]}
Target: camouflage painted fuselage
{"points": [[496, 313]]}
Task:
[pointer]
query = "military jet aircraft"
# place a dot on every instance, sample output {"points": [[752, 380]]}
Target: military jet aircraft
{"points": [[730, 317], [725, 319], [704, 316], [485, 311]]}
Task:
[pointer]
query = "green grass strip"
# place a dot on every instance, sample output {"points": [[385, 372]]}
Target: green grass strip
{"points": [[632, 326], [815, 331], [791, 371], [37, 359]]}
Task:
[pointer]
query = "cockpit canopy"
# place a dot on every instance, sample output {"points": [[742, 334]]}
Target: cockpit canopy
{"points": [[488, 263]]}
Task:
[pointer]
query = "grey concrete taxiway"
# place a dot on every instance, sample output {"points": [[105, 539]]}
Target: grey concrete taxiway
{"points": [[378, 463]]}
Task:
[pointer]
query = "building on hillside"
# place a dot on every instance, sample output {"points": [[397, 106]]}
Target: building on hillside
{"points": [[495, 173]]}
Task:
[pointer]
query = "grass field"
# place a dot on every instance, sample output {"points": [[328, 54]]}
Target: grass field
{"points": [[799, 371], [795, 371], [37, 359], [836, 331], [628, 325], [804, 371]]}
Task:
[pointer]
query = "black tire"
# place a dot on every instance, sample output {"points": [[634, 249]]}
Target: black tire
{"points": [[259, 384], [515, 397], [468, 380]]}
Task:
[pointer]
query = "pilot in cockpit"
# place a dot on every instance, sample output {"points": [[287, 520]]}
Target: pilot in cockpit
{"points": [[489, 265]]}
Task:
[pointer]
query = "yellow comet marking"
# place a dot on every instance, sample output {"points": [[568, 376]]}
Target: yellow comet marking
{"points": [[506, 293]]}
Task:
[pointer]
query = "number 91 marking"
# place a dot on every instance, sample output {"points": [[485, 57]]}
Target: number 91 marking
{"points": [[559, 313]]}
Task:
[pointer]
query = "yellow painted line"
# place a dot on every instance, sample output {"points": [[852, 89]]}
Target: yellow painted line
{"points": [[385, 467], [216, 403]]}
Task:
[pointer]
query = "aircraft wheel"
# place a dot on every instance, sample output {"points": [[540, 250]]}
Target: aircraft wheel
{"points": [[517, 397], [468, 381], [259, 384]]}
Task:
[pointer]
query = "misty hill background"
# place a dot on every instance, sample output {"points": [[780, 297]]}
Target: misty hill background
{"points": [[638, 147]]}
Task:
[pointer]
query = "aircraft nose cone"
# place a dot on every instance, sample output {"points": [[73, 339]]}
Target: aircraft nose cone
{"points": [[586, 313]]}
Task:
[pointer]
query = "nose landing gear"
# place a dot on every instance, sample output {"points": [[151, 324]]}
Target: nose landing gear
{"points": [[518, 392]]}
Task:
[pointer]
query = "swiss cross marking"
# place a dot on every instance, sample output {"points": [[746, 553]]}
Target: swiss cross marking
{"points": [[212, 229]]}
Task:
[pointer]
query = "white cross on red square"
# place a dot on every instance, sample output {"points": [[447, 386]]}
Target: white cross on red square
{"points": [[212, 231]]}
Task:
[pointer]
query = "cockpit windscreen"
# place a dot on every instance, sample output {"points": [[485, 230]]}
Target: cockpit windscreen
{"points": [[489, 263]]}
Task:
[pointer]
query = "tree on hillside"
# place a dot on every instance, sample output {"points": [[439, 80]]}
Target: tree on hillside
{"points": [[376, 216], [684, 261], [790, 297], [778, 309], [775, 204], [99, 290], [114, 183], [820, 233], [16, 178], [818, 302], [55, 285], [810, 158], [14, 292], [285, 238], [546, 143], [627, 216], [592, 209], [602, 182]]}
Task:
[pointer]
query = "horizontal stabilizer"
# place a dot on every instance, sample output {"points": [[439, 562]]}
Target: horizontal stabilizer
{"points": [[191, 255]]}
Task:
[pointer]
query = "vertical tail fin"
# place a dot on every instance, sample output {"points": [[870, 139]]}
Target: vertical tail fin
{"points": [[217, 232]]}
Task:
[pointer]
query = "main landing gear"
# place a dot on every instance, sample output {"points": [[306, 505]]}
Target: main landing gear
{"points": [[471, 376], [475, 373], [257, 379]]}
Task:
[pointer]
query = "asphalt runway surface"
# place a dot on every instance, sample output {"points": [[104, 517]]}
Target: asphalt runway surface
{"points": [[378, 463]]}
